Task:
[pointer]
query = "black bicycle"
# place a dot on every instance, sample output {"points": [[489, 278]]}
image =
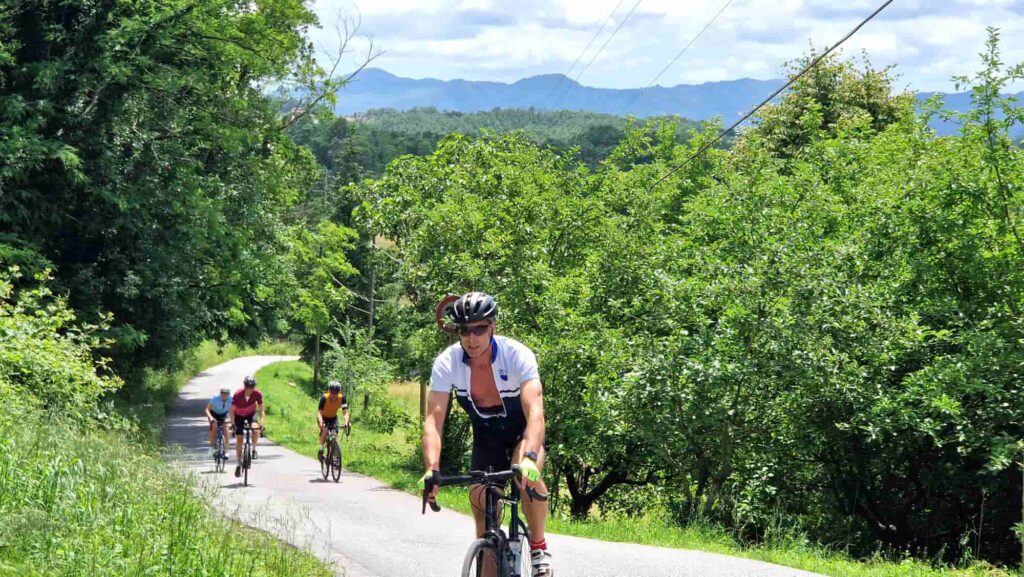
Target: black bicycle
{"points": [[330, 462], [495, 554], [220, 452], [247, 454]]}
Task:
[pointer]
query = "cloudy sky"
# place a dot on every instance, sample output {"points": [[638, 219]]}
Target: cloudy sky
{"points": [[505, 40]]}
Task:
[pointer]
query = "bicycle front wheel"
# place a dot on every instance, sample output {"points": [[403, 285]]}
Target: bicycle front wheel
{"points": [[483, 560], [335, 460]]}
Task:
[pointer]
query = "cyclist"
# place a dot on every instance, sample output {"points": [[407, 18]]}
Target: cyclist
{"points": [[243, 412], [217, 410], [497, 382], [327, 413]]}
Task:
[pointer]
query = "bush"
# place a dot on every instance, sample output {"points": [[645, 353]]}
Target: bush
{"points": [[385, 415], [45, 356]]}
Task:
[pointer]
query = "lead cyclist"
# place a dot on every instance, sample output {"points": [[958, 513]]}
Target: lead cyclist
{"points": [[497, 382]]}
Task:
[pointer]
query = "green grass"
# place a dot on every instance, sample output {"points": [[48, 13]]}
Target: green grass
{"points": [[393, 459], [77, 502]]}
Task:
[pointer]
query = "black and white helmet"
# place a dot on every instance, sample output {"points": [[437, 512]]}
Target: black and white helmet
{"points": [[249, 381], [473, 307], [334, 386]]}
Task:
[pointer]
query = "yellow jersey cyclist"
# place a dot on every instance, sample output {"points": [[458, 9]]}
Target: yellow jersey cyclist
{"points": [[327, 413], [217, 410], [497, 382]]}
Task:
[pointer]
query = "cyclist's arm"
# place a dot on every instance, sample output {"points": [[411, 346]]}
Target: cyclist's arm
{"points": [[344, 409], [263, 416], [433, 424], [532, 397], [320, 411], [209, 416]]}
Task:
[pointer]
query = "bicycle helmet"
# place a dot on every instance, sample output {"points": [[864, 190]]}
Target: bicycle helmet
{"points": [[334, 386], [249, 381], [225, 391], [473, 307]]}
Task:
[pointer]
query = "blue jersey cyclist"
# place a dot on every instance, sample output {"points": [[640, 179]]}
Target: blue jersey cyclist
{"points": [[497, 382], [217, 410]]}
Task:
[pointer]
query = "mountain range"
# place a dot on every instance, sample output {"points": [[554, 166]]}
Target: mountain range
{"points": [[375, 88]]}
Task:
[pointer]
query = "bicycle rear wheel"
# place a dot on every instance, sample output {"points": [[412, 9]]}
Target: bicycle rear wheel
{"points": [[335, 460], [483, 560]]}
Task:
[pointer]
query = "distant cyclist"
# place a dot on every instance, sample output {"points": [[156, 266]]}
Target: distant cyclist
{"points": [[217, 410], [243, 412], [327, 413], [497, 383]]}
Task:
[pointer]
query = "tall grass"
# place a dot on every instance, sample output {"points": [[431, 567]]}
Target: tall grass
{"points": [[394, 459], [77, 502]]}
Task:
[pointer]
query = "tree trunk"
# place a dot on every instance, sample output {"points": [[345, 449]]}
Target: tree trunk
{"points": [[316, 362]]}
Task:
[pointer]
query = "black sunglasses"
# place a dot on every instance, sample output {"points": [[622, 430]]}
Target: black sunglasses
{"points": [[477, 330]]}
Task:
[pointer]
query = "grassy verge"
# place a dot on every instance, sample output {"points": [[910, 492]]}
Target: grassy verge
{"points": [[101, 506], [392, 458]]}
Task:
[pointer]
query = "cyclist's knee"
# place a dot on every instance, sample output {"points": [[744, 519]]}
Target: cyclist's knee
{"points": [[477, 499]]}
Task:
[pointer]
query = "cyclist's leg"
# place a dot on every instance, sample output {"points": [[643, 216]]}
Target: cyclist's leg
{"points": [[213, 433], [240, 424], [488, 454], [536, 511]]}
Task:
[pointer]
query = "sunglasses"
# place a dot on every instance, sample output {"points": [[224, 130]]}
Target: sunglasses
{"points": [[477, 330]]}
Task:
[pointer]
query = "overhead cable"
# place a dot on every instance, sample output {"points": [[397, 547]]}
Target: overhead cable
{"points": [[772, 96], [674, 60]]}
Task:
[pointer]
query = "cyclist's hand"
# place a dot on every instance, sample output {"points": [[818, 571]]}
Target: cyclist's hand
{"points": [[529, 470], [427, 480]]}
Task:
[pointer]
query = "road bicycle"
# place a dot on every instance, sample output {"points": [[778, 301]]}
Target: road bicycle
{"points": [[247, 453], [220, 452], [496, 553], [330, 461]]}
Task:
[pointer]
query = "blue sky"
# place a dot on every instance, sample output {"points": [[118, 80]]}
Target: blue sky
{"points": [[927, 40]]}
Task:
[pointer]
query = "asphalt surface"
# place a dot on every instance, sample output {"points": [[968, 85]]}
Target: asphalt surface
{"points": [[367, 529]]}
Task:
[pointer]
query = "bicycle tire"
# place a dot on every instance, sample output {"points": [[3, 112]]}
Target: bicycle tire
{"points": [[525, 561], [483, 553], [325, 463], [335, 461], [246, 461]]}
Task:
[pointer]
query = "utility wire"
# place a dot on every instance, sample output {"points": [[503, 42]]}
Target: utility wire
{"points": [[584, 51], [812, 64], [674, 60], [599, 51]]}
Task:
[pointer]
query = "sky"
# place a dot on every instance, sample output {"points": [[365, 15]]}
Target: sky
{"points": [[928, 41]]}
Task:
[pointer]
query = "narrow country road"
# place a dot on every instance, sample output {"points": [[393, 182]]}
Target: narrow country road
{"points": [[369, 530]]}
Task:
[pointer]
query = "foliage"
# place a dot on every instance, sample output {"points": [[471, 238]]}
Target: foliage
{"points": [[46, 356], [141, 157], [821, 326]]}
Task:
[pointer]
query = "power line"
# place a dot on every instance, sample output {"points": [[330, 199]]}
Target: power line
{"points": [[674, 60], [584, 51], [812, 64], [599, 51]]}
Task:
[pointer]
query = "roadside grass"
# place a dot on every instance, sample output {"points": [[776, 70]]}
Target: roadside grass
{"points": [[393, 458], [77, 502], [147, 405]]}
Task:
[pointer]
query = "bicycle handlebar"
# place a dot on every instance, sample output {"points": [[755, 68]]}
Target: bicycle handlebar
{"points": [[474, 478]]}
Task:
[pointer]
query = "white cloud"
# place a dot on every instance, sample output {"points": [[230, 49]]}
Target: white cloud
{"points": [[929, 40]]}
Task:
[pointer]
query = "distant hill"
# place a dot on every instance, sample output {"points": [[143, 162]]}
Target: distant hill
{"points": [[375, 89]]}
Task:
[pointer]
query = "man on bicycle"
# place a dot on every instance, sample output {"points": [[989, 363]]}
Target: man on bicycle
{"points": [[243, 412], [217, 410], [327, 413], [497, 382]]}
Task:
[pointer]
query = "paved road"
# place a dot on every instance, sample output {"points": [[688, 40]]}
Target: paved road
{"points": [[369, 530]]}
